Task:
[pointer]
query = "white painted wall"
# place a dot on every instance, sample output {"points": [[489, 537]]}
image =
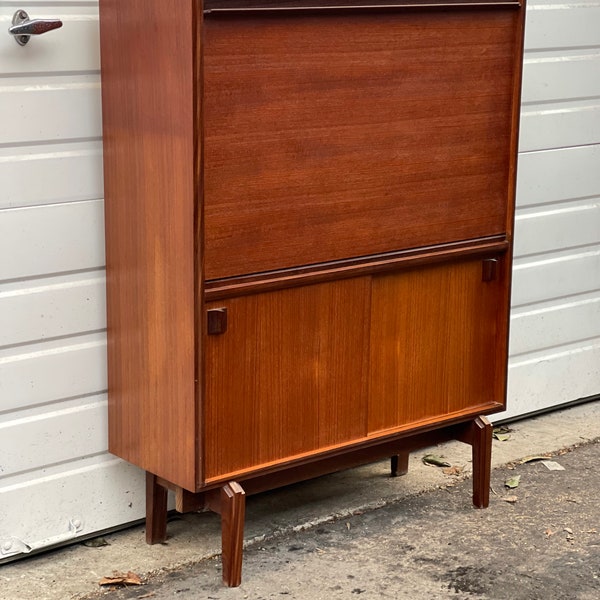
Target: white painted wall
{"points": [[56, 479]]}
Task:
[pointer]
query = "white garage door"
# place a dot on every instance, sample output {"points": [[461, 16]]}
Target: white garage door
{"points": [[56, 480], [555, 335]]}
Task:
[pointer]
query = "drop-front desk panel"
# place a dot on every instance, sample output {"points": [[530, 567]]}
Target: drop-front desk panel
{"points": [[309, 213]]}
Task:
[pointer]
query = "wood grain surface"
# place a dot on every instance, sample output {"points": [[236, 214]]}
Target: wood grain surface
{"points": [[289, 375], [334, 181], [150, 185], [339, 135], [434, 343], [319, 366]]}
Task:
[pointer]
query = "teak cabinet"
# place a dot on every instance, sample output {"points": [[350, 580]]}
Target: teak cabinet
{"points": [[309, 212]]}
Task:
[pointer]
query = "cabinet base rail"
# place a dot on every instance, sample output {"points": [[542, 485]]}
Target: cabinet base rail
{"points": [[229, 500]]}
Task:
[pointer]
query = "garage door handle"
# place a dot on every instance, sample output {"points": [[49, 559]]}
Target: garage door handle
{"points": [[23, 27]]}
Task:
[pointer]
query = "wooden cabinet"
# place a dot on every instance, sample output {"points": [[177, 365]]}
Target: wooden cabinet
{"points": [[308, 236]]}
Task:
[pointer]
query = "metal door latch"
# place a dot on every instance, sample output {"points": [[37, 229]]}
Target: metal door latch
{"points": [[23, 27]]}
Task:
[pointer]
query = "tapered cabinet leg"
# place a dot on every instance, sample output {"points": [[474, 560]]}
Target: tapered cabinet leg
{"points": [[156, 510], [481, 442], [232, 509], [399, 464]]}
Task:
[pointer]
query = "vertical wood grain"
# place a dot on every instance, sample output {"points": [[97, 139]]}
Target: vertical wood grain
{"points": [[233, 511], [434, 343], [149, 113], [288, 376], [482, 461]]}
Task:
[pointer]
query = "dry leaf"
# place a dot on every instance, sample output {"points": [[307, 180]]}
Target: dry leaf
{"points": [[455, 470], [513, 482], [121, 579], [96, 542], [436, 461], [502, 429], [510, 499], [502, 437], [549, 532]]}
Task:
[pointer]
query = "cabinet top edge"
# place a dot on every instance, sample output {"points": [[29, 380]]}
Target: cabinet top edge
{"points": [[277, 6]]}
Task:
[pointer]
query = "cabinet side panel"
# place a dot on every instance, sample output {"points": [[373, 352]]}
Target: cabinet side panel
{"points": [[434, 342], [148, 120]]}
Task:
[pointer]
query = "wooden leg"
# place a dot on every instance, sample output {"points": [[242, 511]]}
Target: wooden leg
{"points": [[230, 503], [400, 464], [233, 509], [156, 510], [478, 434], [482, 461]]}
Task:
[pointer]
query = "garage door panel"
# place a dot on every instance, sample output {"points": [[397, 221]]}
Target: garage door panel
{"points": [[558, 227], [80, 30], [94, 493], [555, 276], [51, 239], [555, 175], [555, 323], [562, 25], [54, 173], [55, 109], [548, 379], [561, 76], [559, 125], [52, 370], [44, 373], [66, 432], [52, 307]]}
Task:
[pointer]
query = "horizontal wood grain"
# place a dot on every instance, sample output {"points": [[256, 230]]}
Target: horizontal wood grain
{"points": [[361, 134], [265, 282]]}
